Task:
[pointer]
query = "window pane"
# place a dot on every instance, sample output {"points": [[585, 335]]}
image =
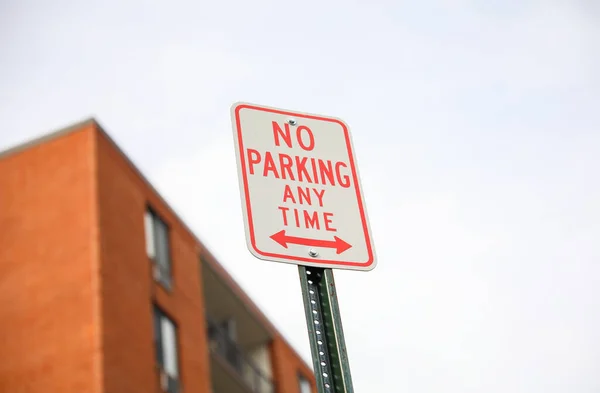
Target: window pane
{"points": [[304, 385], [148, 223], [162, 245], [169, 342]]}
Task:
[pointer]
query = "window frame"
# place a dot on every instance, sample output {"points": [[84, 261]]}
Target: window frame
{"points": [[162, 272], [158, 317]]}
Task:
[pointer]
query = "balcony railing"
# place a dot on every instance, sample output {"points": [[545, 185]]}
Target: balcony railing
{"points": [[228, 350]]}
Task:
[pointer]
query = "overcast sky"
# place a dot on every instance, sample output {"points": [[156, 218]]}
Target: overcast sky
{"points": [[477, 131]]}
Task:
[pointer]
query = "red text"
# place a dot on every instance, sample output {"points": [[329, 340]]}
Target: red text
{"points": [[306, 219], [311, 170]]}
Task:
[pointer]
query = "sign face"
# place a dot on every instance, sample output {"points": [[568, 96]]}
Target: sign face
{"points": [[301, 194]]}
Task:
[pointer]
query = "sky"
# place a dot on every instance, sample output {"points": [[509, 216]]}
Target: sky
{"points": [[476, 131]]}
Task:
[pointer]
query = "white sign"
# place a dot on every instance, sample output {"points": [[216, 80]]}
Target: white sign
{"points": [[301, 193]]}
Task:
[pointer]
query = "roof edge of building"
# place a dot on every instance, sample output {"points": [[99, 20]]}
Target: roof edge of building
{"points": [[63, 131], [215, 264]]}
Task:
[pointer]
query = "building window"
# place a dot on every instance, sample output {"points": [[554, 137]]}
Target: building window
{"points": [[304, 385], [157, 247], [165, 343]]}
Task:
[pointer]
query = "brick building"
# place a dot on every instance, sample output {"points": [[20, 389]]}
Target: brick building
{"points": [[104, 289]]}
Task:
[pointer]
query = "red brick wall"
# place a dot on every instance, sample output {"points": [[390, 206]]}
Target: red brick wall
{"points": [[48, 315], [128, 288], [75, 283]]}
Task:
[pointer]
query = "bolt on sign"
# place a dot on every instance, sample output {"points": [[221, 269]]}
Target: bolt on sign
{"points": [[300, 188]]}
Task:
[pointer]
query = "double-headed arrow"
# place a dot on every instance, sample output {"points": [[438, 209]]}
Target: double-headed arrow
{"points": [[283, 239]]}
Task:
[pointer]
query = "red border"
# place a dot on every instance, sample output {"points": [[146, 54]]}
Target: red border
{"points": [[354, 177]]}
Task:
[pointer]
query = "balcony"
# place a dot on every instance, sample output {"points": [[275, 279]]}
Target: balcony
{"points": [[232, 360], [239, 342]]}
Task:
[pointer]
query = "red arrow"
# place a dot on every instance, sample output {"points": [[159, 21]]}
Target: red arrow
{"points": [[340, 245]]}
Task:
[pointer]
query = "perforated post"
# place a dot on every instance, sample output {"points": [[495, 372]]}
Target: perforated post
{"points": [[327, 345]]}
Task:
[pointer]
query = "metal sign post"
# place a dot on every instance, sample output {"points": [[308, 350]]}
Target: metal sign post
{"points": [[303, 204], [327, 344]]}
